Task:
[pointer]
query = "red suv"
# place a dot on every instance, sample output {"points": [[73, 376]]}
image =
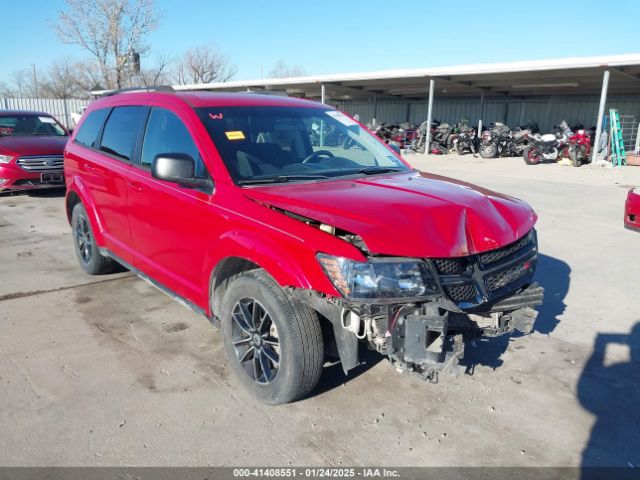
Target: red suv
{"points": [[296, 229], [31, 147]]}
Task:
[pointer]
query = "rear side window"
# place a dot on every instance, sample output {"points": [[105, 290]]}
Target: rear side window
{"points": [[88, 132], [167, 134], [122, 131]]}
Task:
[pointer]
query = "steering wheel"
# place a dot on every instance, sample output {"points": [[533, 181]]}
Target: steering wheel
{"points": [[315, 156]]}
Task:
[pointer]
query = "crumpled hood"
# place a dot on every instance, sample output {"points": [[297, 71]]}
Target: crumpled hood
{"points": [[409, 214], [32, 144]]}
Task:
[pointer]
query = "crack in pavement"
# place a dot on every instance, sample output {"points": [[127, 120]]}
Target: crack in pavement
{"points": [[30, 293]]}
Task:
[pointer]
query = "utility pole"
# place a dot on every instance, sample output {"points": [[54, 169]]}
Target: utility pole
{"points": [[35, 79]]}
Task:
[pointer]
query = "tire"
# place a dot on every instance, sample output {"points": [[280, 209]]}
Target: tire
{"points": [[488, 150], [577, 155], [531, 156], [273, 342], [87, 251], [459, 149]]}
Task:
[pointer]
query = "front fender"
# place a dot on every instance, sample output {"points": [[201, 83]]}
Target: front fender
{"points": [[76, 186], [291, 264]]}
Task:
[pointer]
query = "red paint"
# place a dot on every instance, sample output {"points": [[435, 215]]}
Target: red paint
{"points": [[26, 145], [178, 235], [632, 210], [581, 139]]}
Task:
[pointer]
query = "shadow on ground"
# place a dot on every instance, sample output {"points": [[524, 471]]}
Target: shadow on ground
{"points": [[333, 376], [612, 394], [554, 276], [37, 193]]}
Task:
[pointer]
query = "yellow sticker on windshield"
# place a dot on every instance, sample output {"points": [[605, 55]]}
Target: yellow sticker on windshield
{"points": [[235, 135]]}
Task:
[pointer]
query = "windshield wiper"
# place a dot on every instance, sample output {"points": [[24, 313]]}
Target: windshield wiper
{"points": [[374, 170], [279, 179]]}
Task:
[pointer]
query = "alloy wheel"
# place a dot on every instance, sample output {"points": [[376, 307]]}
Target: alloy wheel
{"points": [[83, 238], [255, 340]]}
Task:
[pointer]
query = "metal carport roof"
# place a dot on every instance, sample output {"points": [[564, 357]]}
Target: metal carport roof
{"points": [[569, 76]]}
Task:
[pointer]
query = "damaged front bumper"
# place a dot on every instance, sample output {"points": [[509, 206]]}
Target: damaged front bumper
{"points": [[481, 295], [429, 340], [422, 338]]}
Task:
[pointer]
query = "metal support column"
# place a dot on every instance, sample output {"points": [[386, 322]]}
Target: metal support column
{"points": [[481, 115], [375, 109], [603, 102], [322, 99], [429, 113]]}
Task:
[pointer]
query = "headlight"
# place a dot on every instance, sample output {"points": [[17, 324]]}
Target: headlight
{"points": [[5, 158], [379, 278]]}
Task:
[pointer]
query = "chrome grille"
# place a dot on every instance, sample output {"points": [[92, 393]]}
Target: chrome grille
{"points": [[44, 163]]}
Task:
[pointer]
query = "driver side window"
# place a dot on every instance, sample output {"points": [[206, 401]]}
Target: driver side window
{"points": [[166, 133]]}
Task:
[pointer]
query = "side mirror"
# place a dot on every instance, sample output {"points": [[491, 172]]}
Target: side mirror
{"points": [[177, 168]]}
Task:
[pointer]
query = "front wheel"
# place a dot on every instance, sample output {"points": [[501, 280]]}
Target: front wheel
{"points": [[87, 251], [531, 156], [488, 150], [274, 343], [578, 155]]}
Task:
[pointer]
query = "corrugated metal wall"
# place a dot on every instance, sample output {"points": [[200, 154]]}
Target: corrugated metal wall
{"points": [[547, 111], [61, 109]]}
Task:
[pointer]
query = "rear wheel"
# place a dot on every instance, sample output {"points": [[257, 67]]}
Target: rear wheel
{"points": [[273, 342], [87, 251], [488, 150], [531, 156]]}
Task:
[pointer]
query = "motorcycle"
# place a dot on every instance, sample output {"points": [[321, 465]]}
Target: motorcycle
{"points": [[466, 140], [401, 135], [550, 146], [441, 139], [495, 141], [579, 147], [420, 135], [500, 140]]}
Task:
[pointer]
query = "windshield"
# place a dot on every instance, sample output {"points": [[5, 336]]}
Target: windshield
{"points": [[30, 125], [282, 144]]}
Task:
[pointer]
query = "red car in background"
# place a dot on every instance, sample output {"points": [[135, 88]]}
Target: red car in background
{"points": [[632, 210], [31, 150]]}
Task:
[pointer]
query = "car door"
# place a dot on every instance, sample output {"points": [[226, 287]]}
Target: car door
{"points": [[168, 221], [105, 171]]}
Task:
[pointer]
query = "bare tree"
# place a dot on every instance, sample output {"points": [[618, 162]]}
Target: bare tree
{"points": [[111, 30], [22, 83], [159, 74], [89, 76], [202, 65], [61, 81], [282, 70]]}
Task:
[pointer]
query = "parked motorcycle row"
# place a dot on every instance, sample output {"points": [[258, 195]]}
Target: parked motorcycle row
{"points": [[573, 142]]}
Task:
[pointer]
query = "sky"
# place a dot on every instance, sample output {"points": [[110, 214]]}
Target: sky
{"points": [[332, 36]]}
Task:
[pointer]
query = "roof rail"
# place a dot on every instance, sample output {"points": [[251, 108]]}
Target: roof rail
{"points": [[275, 93], [158, 88]]}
